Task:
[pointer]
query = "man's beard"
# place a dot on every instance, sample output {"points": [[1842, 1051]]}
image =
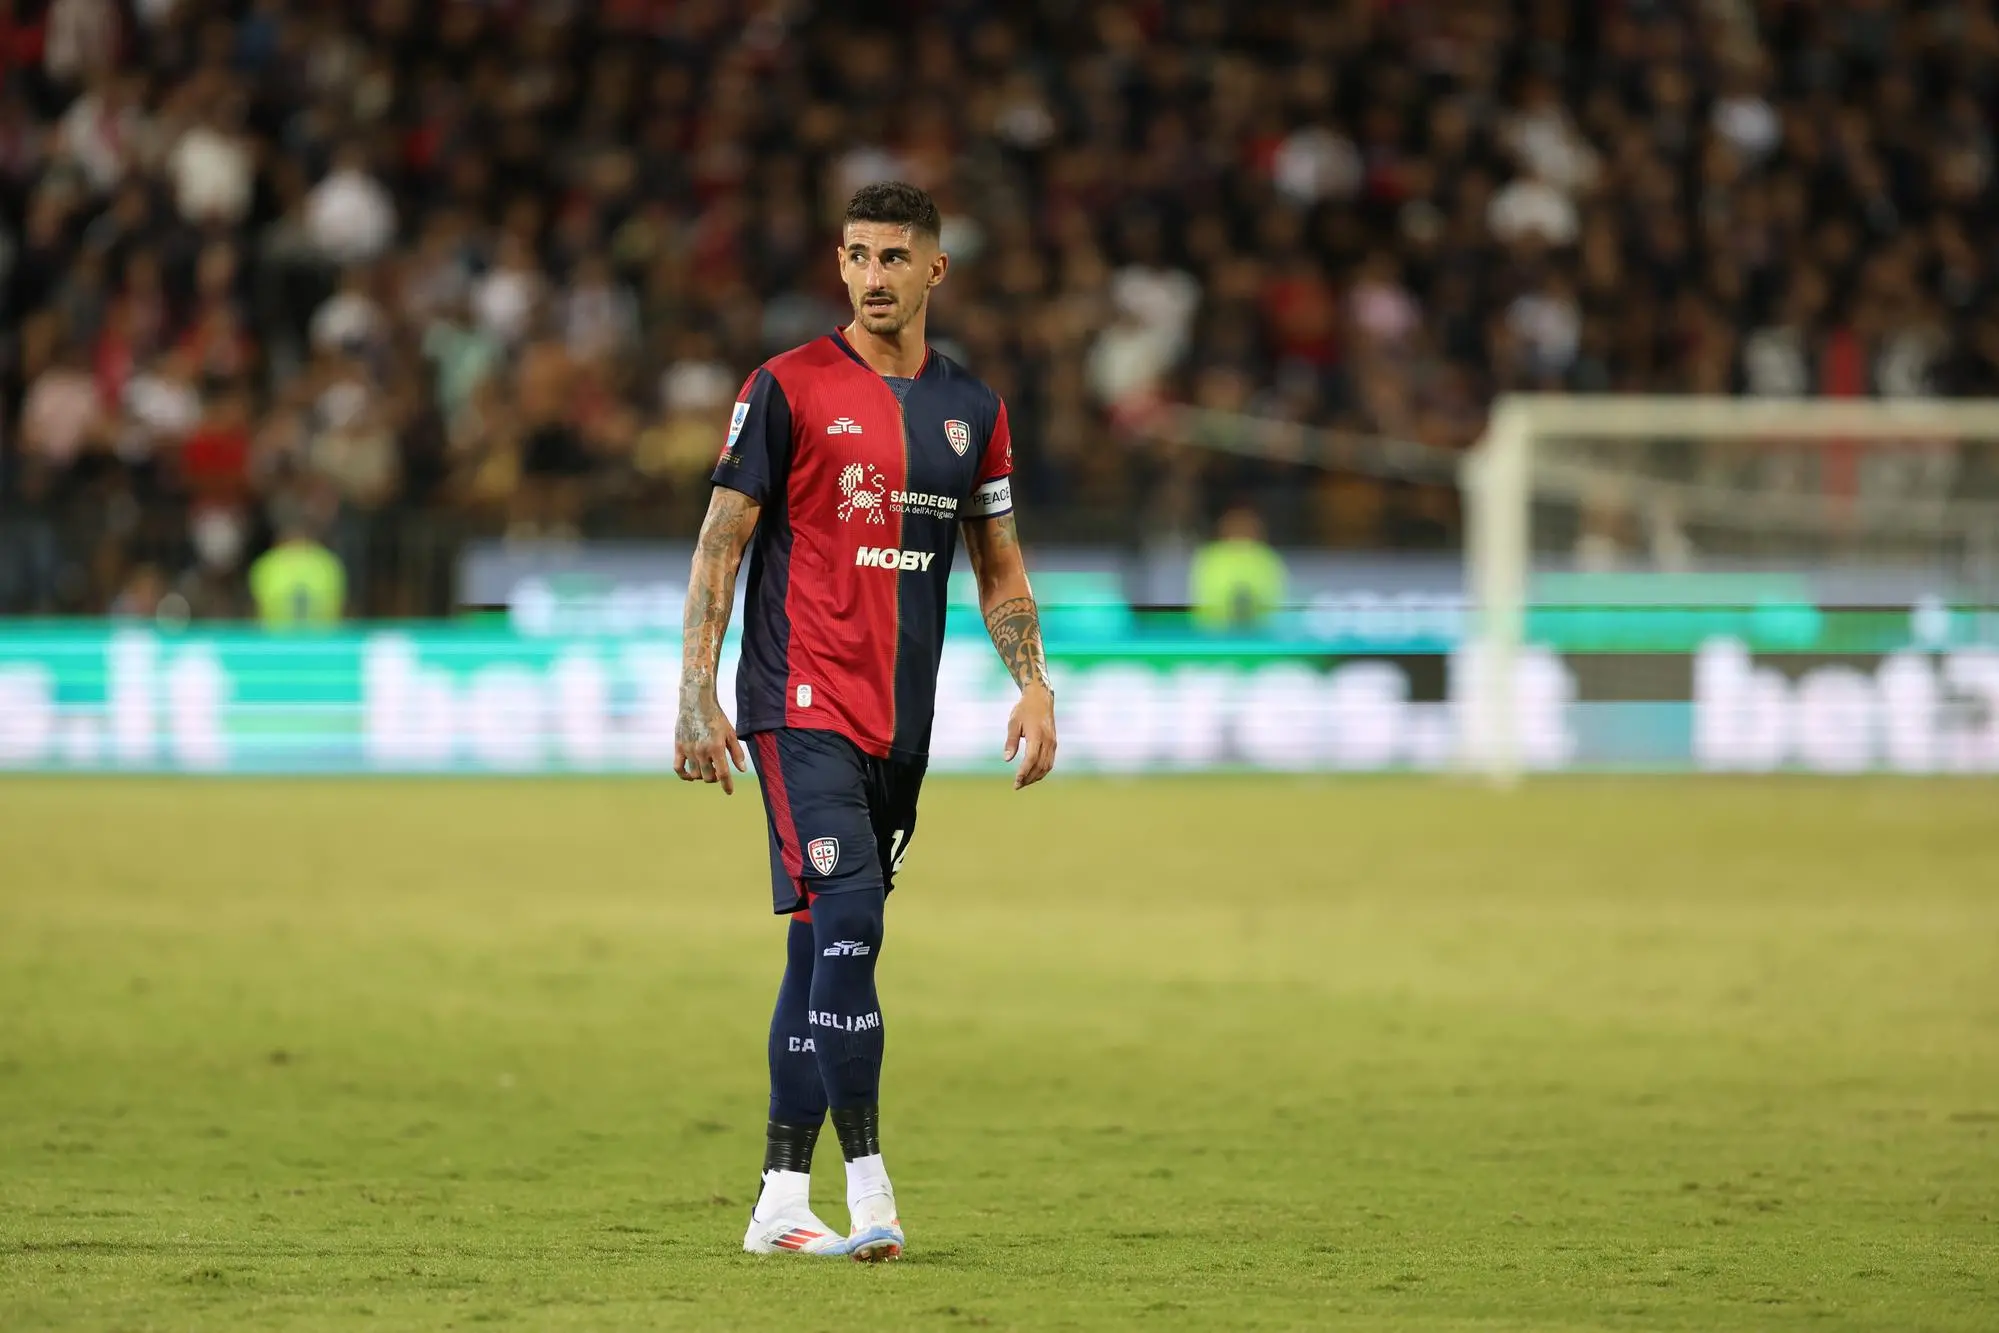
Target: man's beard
{"points": [[893, 320]]}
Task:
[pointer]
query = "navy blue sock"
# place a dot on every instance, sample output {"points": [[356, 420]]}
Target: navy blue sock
{"points": [[846, 1019], [797, 1094]]}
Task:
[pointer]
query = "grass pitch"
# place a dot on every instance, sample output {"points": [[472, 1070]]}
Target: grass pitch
{"points": [[1178, 1054]]}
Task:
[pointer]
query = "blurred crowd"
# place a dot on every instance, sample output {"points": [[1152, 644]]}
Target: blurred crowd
{"points": [[344, 272]]}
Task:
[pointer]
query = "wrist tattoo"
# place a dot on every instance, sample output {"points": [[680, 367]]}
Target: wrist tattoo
{"points": [[1015, 626]]}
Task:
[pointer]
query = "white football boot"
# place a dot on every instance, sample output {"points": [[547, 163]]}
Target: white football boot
{"points": [[877, 1232], [789, 1225], [794, 1233]]}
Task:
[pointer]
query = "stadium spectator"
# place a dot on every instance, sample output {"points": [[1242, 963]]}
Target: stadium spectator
{"points": [[210, 167], [61, 421], [140, 597], [297, 583], [161, 408], [104, 131], [215, 460], [351, 320], [1237, 580], [349, 215], [80, 40], [212, 588]]}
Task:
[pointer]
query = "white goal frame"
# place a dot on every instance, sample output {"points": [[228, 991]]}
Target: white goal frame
{"points": [[1501, 476]]}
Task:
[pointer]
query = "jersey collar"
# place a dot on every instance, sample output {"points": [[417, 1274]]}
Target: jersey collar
{"points": [[840, 339]]}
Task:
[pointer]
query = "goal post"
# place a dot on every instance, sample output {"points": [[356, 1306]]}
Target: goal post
{"points": [[1883, 494]]}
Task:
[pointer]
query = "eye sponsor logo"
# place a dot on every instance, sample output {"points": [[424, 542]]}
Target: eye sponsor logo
{"points": [[844, 426], [893, 557]]}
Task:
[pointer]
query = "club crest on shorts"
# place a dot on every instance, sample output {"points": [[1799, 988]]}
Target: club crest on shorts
{"points": [[960, 436], [825, 854]]}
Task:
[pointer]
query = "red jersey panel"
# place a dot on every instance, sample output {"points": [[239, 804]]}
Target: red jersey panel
{"points": [[862, 491]]}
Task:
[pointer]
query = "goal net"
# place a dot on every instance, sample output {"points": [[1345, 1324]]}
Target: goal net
{"points": [[1733, 584]]}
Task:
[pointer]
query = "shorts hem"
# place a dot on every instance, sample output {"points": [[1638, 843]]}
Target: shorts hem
{"points": [[803, 900]]}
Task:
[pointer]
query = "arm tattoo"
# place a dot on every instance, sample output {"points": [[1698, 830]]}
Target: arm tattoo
{"points": [[1015, 625], [1003, 533], [711, 595]]}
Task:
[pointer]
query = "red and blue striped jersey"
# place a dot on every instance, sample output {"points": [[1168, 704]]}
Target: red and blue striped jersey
{"points": [[862, 484]]}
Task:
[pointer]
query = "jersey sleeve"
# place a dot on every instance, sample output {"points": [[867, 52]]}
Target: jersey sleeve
{"points": [[756, 458], [993, 495]]}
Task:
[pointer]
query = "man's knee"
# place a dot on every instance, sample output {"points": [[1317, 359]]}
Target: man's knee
{"points": [[848, 925]]}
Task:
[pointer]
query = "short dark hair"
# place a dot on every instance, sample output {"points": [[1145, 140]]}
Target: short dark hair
{"points": [[898, 204]]}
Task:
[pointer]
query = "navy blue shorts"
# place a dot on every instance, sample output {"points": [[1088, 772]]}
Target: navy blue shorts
{"points": [[840, 819]]}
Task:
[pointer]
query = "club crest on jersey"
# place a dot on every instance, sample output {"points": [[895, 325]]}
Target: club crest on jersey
{"points": [[862, 491], [825, 854], [959, 435]]}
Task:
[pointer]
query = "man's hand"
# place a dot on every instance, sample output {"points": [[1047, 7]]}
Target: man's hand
{"points": [[1030, 732], [704, 744]]}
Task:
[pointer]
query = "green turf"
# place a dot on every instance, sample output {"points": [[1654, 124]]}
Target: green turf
{"points": [[1216, 1054]]}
